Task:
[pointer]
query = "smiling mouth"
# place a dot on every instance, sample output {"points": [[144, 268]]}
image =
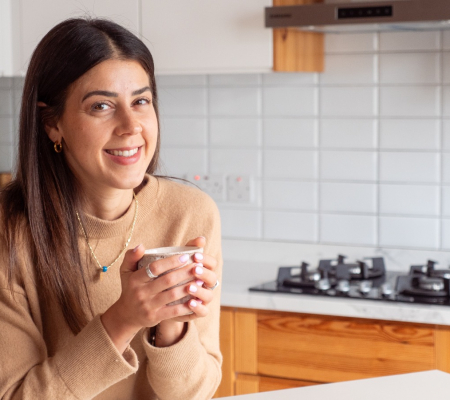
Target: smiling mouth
{"points": [[123, 153]]}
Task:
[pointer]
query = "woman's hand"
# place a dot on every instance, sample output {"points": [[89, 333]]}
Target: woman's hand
{"points": [[143, 301]]}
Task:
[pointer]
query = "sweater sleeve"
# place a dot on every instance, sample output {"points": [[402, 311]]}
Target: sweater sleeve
{"points": [[191, 368], [88, 364]]}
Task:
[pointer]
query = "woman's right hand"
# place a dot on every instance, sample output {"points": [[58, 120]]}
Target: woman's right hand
{"points": [[142, 302]]}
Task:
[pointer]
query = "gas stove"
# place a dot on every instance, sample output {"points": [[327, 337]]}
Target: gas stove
{"points": [[363, 279]]}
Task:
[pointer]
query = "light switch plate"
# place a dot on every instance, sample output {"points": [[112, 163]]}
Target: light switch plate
{"points": [[239, 189]]}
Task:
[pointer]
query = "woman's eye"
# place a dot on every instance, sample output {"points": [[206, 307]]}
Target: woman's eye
{"points": [[142, 101], [100, 106]]}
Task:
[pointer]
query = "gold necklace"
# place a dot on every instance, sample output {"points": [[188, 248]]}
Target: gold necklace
{"points": [[104, 269]]}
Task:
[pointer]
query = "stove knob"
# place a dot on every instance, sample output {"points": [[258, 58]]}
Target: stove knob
{"points": [[386, 289], [323, 284], [365, 287], [343, 286]]}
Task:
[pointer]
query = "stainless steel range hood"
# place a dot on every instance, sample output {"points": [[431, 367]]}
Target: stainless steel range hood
{"points": [[362, 16]]}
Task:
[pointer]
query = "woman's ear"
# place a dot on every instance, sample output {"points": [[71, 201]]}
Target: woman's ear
{"points": [[51, 128]]}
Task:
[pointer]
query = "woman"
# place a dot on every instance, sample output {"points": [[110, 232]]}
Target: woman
{"points": [[74, 323]]}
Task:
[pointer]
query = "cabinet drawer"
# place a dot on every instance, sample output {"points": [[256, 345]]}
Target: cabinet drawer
{"points": [[333, 349]]}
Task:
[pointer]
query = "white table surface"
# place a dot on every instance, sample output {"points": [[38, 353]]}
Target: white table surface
{"points": [[416, 386]]}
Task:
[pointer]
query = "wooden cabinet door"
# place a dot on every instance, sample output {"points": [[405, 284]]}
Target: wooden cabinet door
{"points": [[204, 36], [36, 18]]}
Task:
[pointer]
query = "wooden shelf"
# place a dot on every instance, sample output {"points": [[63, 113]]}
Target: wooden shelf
{"points": [[296, 51]]}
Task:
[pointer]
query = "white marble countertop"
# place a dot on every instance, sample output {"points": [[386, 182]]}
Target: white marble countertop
{"points": [[239, 276], [415, 386]]}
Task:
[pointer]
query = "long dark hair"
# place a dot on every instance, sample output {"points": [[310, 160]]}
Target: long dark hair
{"points": [[42, 199]]}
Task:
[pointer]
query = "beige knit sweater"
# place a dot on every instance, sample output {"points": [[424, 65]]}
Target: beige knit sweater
{"points": [[41, 359]]}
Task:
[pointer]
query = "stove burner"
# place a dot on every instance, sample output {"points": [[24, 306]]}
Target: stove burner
{"points": [[425, 280]]}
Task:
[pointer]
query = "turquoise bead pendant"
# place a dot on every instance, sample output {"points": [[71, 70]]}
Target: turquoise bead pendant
{"points": [[104, 269]]}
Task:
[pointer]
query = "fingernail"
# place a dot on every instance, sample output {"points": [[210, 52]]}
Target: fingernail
{"points": [[193, 288], [184, 257], [199, 282], [135, 249], [199, 269], [198, 256], [193, 303]]}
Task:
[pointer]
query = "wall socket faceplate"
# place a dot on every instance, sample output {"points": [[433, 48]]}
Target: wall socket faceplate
{"points": [[239, 189], [214, 185]]}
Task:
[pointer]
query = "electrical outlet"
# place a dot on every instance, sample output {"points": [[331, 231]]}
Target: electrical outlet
{"points": [[239, 189], [212, 184]]}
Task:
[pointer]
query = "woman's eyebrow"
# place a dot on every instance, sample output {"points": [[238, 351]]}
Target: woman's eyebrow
{"points": [[140, 91], [101, 93], [113, 94]]}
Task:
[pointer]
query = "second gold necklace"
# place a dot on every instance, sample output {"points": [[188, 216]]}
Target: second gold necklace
{"points": [[104, 269]]}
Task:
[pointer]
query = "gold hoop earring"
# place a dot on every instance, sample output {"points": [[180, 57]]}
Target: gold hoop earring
{"points": [[58, 147]]}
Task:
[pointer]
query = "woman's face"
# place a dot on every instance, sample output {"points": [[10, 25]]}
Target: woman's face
{"points": [[109, 126]]}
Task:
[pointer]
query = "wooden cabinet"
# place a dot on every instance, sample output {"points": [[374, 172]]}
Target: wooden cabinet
{"points": [[270, 350]]}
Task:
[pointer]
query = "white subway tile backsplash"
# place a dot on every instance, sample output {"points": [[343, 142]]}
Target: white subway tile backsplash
{"points": [[290, 79], [348, 229], [6, 130], [235, 80], [6, 153], [411, 68], [290, 132], [182, 101], [237, 132], [348, 197], [5, 103], [348, 133], [290, 195], [446, 40], [410, 200], [350, 43], [410, 41], [413, 134], [446, 167], [183, 131], [446, 201], [289, 101], [290, 226], [446, 97], [348, 165], [409, 232], [446, 68], [290, 164], [446, 134], [446, 234], [351, 69], [348, 101], [6, 83], [241, 223], [178, 162], [234, 101], [181, 80], [418, 101], [409, 167], [235, 161]]}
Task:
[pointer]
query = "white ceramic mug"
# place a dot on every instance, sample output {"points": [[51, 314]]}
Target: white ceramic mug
{"points": [[152, 255]]}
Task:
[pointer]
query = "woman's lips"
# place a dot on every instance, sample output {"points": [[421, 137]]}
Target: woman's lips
{"points": [[124, 156]]}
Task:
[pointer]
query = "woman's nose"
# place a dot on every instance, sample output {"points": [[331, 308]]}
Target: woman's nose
{"points": [[128, 123]]}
